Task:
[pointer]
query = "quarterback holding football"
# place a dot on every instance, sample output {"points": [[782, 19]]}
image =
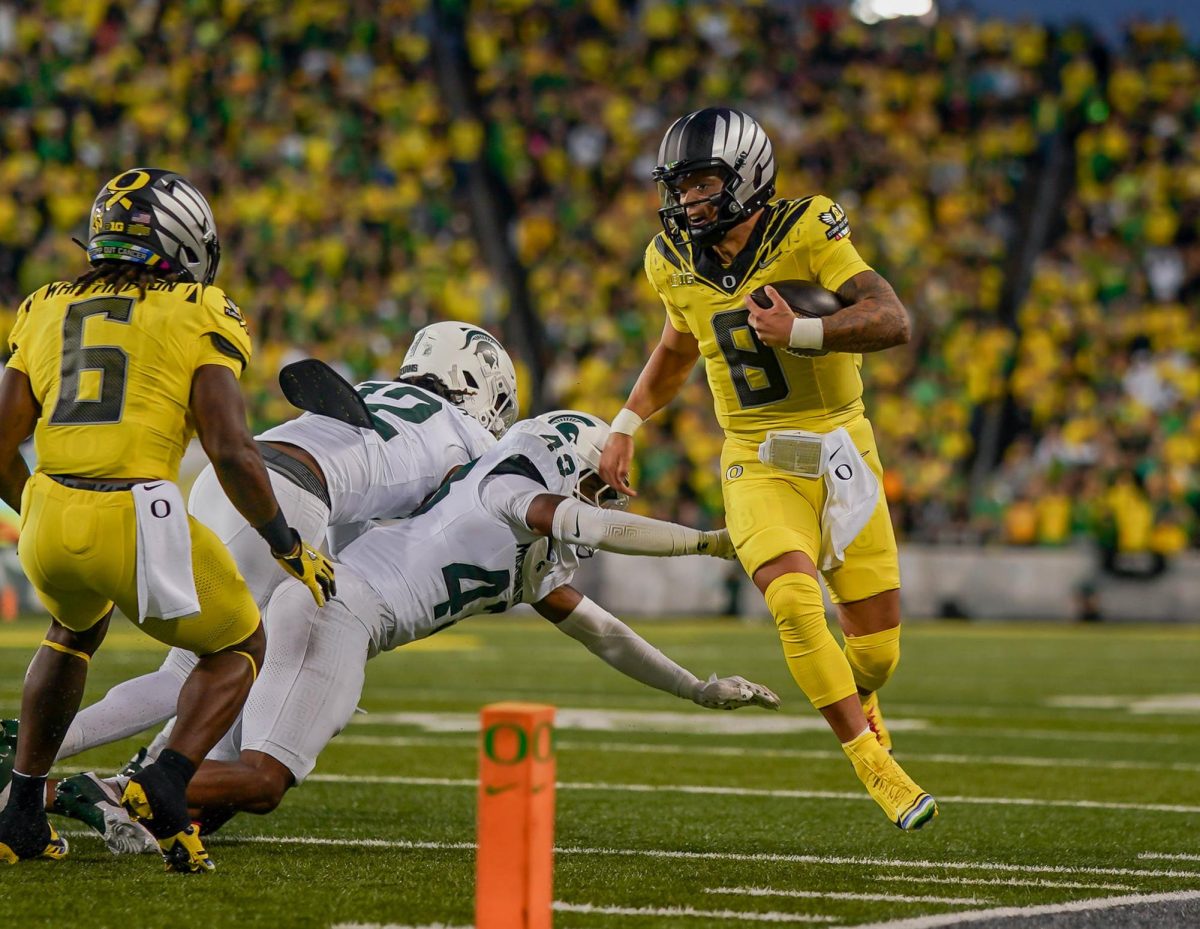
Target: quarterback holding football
{"points": [[800, 469]]}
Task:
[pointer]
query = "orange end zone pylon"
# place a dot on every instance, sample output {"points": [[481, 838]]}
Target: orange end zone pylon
{"points": [[515, 861]]}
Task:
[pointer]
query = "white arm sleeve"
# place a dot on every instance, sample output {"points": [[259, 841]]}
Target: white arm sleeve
{"points": [[628, 534], [608, 638], [508, 497]]}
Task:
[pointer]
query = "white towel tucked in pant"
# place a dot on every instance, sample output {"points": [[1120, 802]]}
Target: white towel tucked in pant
{"points": [[851, 487], [166, 585], [851, 494]]}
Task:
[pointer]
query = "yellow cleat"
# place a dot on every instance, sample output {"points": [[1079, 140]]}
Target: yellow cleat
{"points": [[185, 852], [905, 804], [56, 849], [182, 850], [136, 803], [870, 705]]}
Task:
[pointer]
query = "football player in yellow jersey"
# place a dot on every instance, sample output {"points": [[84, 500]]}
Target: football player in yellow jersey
{"points": [[112, 374], [769, 370]]}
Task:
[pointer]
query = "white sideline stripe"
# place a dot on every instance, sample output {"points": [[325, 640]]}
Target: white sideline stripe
{"points": [[756, 792], [560, 907], [729, 751], [999, 882], [715, 856], [1169, 856], [841, 895], [1075, 906]]}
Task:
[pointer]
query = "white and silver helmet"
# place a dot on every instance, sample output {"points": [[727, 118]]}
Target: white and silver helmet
{"points": [[729, 141], [155, 218], [588, 434], [472, 366]]}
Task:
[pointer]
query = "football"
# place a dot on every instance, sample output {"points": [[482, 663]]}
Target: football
{"points": [[806, 299]]}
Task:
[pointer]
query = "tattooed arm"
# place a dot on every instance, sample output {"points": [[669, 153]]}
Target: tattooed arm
{"points": [[873, 319]]}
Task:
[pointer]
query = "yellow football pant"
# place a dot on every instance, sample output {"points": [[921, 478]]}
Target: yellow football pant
{"points": [[79, 550]]}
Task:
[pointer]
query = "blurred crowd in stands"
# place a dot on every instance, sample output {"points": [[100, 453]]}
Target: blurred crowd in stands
{"points": [[337, 177]]}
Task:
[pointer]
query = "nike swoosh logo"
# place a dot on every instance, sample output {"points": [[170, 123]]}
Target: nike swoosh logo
{"points": [[492, 791], [764, 264], [577, 527], [153, 486]]}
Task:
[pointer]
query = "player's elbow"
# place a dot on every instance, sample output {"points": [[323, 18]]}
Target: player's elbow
{"points": [[235, 457], [899, 326]]}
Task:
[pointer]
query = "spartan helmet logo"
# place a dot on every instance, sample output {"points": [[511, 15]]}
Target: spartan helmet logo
{"points": [[486, 352], [568, 429]]}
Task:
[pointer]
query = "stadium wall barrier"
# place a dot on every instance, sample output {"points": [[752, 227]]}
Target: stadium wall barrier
{"points": [[938, 581]]}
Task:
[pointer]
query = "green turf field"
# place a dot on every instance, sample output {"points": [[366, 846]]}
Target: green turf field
{"points": [[1066, 762]]}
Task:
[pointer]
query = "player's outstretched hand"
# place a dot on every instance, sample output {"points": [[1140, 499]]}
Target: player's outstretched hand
{"points": [[311, 568], [615, 461], [718, 544], [729, 693]]}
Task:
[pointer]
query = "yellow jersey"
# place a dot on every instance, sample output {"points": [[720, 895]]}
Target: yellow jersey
{"points": [[112, 372], [757, 388]]}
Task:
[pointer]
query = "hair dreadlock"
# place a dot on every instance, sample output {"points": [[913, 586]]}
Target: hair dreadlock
{"points": [[434, 386], [122, 274]]}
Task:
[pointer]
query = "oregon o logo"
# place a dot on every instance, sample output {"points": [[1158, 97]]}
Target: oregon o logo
{"points": [[729, 282], [733, 472], [161, 508], [512, 752], [542, 739], [849, 472]]}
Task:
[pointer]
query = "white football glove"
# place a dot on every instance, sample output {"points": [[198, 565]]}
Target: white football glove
{"points": [[729, 693], [718, 544]]}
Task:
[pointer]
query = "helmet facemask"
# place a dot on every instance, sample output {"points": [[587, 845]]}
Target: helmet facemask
{"points": [[728, 212]]}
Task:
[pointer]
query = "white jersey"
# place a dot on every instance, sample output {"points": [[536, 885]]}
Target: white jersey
{"points": [[468, 549], [387, 471]]}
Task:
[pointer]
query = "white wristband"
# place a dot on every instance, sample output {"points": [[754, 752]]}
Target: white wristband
{"points": [[627, 422], [807, 333]]}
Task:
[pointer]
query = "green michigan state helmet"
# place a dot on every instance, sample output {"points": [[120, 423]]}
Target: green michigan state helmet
{"points": [[726, 141], [156, 218], [588, 434]]}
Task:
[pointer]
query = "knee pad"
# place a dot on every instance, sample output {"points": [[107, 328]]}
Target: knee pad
{"points": [[873, 658], [817, 664]]}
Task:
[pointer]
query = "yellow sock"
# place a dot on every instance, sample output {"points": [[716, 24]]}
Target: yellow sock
{"points": [[817, 664], [873, 658]]}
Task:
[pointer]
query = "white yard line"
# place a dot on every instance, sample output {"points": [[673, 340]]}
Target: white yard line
{"points": [[785, 794], [562, 907], [999, 882], [730, 751], [1103, 736], [841, 895], [608, 719], [394, 926], [1023, 912], [1170, 856], [924, 864]]}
